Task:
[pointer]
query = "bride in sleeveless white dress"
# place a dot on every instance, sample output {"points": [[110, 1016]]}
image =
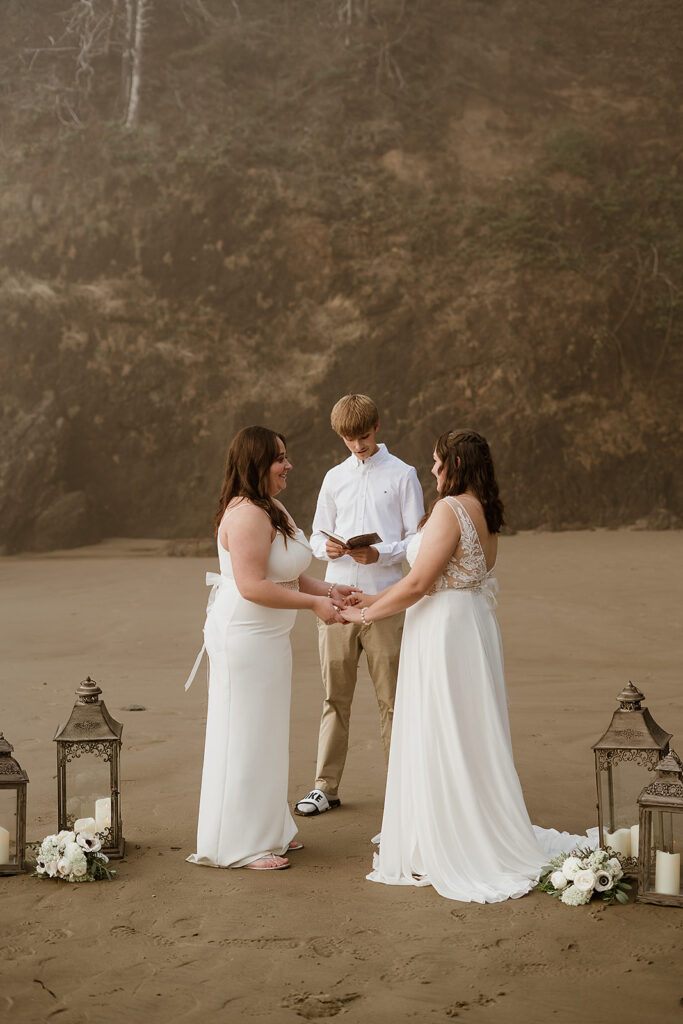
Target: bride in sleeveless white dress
{"points": [[244, 818], [454, 813]]}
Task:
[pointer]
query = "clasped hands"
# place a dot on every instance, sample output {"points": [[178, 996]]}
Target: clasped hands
{"points": [[341, 601]]}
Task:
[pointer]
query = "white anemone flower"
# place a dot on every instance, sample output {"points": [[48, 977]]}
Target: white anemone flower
{"points": [[603, 881], [88, 841]]}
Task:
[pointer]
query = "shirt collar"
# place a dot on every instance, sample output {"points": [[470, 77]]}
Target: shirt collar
{"points": [[372, 460]]}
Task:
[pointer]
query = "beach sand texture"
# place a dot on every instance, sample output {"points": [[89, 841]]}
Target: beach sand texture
{"points": [[581, 614]]}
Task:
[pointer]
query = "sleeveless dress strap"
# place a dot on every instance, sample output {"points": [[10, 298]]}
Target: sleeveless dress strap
{"points": [[470, 529]]}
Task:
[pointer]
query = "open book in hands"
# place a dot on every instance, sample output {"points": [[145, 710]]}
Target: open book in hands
{"points": [[361, 540]]}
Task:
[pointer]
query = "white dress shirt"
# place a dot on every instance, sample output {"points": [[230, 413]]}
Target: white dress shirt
{"points": [[381, 495]]}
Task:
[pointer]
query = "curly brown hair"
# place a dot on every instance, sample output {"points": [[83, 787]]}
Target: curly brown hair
{"points": [[251, 454], [466, 459]]}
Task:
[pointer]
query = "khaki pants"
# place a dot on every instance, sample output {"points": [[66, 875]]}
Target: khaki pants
{"points": [[340, 651]]}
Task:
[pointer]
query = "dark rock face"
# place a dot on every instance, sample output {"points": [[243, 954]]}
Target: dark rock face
{"points": [[483, 234], [66, 523]]}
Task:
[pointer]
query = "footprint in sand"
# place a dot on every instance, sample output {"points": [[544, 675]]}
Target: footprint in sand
{"points": [[463, 1005], [122, 930], [312, 1007]]}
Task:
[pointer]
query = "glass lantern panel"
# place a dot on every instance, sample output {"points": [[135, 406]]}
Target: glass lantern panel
{"points": [[620, 785], [88, 789], [8, 826], [665, 845]]}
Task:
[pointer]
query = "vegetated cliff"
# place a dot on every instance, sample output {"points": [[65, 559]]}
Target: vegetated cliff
{"points": [[469, 209]]}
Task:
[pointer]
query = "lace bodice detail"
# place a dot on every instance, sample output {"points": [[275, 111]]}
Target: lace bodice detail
{"points": [[466, 569]]}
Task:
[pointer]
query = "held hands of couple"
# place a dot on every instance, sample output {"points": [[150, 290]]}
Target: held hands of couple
{"points": [[328, 608], [351, 612], [365, 556]]}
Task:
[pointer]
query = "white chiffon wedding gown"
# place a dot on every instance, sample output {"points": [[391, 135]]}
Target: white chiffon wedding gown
{"points": [[243, 810], [454, 813]]}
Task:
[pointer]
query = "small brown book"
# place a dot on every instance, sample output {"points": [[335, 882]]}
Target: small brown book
{"points": [[361, 540]]}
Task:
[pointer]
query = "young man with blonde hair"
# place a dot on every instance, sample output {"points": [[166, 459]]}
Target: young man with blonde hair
{"points": [[370, 492]]}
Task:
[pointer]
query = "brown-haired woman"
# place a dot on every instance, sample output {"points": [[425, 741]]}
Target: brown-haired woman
{"points": [[454, 814], [244, 819]]}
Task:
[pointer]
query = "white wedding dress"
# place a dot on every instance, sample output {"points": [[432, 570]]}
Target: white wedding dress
{"points": [[454, 813], [243, 810]]}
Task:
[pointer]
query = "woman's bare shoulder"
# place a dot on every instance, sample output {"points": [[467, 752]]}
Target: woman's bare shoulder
{"points": [[243, 513], [442, 518]]}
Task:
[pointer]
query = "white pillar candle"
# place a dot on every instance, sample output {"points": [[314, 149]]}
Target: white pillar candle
{"points": [[620, 841], [4, 845], [668, 873], [103, 812], [85, 825], [635, 834]]}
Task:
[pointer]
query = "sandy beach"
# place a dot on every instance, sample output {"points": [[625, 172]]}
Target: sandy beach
{"points": [[581, 614]]}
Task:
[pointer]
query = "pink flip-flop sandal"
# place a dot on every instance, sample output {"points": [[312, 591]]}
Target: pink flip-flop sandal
{"points": [[270, 863]]}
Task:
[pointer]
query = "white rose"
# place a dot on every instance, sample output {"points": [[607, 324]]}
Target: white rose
{"points": [[64, 836], [64, 867], [79, 868], [72, 851], [613, 865], [585, 880], [558, 880], [570, 867]]}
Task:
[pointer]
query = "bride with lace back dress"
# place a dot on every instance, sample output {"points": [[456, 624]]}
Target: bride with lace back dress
{"points": [[454, 813], [244, 818]]}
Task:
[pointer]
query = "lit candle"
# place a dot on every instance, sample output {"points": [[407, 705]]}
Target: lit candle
{"points": [[620, 841], [103, 812], [635, 833], [668, 873], [85, 825], [4, 845]]}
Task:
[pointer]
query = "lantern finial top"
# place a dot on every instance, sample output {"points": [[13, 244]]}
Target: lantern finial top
{"points": [[670, 765], [88, 692], [9, 766], [630, 698]]}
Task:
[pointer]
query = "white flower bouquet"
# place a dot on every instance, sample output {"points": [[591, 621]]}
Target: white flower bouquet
{"points": [[574, 878], [72, 857]]}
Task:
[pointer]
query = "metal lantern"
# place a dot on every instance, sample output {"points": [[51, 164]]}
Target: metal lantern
{"points": [[661, 835], [631, 748], [13, 782], [88, 770]]}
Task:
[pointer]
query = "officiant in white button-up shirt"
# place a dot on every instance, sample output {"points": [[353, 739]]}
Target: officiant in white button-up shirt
{"points": [[380, 495], [371, 492]]}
